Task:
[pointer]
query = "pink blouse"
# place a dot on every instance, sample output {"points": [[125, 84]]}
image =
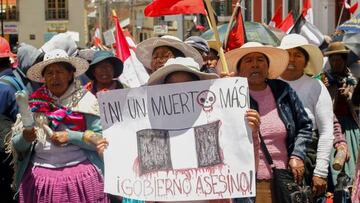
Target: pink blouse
{"points": [[273, 131]]}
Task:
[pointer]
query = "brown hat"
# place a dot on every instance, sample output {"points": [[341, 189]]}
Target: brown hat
{"points": [[336, 48]]}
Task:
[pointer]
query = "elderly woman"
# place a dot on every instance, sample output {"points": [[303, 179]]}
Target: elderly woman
{"points": [[285, 125], [154, 52], [56, 161], [103, 72], [341, 83], [307, 59]]}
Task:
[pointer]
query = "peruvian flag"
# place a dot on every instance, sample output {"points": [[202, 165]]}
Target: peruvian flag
{"points": [[237, 36], [134, 73], [277, 18], [351, 8], [174, 7], [288, 23], [97, 38], [308, 11]]}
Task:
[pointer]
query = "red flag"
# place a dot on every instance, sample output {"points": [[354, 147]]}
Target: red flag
{"points": [[237, 35], [97, 38], [122, 47], [287, 23], [353, 8], [346, 4], [277, 18], [307, 11], [173, 7]]}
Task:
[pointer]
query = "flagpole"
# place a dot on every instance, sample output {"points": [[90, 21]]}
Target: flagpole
{"points": [[217, 38], [237, 7], [340, 17]]}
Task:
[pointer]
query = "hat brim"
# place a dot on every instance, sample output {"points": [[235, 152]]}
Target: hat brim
{"points": [[336, 52], [315, 63], [35, 72], [145, 49], [159, 75], [117, 65], [278, 59]]}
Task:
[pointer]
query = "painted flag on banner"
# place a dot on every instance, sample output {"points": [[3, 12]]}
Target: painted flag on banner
{"points": [[308, 30], [308, 11], [174, 7], [288, 23], [237, 36], [277, 18], [134, 73]]}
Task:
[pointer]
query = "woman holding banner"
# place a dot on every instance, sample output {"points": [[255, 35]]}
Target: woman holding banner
{"points": [[284, 125], [54, 159]]}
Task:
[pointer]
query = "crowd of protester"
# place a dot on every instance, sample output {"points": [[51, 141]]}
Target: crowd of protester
{"points": [[303, 101]]}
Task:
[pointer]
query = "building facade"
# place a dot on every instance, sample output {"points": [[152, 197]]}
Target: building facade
{"points": [[36, 21]]}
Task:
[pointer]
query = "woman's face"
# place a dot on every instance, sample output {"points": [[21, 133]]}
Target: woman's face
{"points": [[337, 63], [104, 72], [57, 78], [160, 56], [296, 66], [180, 76], [254, 66]]}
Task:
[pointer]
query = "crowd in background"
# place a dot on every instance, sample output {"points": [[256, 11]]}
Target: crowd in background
{"points": [[303, 100]]}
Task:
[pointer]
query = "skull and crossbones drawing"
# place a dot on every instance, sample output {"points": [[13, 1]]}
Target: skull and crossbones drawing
{"points": [[206, 99]]}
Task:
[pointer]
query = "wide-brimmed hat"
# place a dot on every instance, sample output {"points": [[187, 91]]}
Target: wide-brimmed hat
{"points": [[55, 56], [278, 58], [315, 63], [336, 48], [100, 56], [179, 64], [145, 49]]}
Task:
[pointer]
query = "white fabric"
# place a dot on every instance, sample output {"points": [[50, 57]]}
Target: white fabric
{"points": [[317, 102]]}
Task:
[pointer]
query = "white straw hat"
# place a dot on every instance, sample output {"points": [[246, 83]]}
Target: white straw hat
{"points": [[314, 65], [278, 58], [179, 64], [55, 56], [145, 49]]}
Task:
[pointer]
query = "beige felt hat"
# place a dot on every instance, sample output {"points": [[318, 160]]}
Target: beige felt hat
{"points": [[55, 56], [179, 64], [145, 49], [336, 48], [314, 65], [278, 58]]}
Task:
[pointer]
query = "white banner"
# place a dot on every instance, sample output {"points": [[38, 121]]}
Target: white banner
{"points": [[185, 141]]}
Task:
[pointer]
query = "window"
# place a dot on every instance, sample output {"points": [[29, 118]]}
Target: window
{"points": [[56, 9], [9, 10]]}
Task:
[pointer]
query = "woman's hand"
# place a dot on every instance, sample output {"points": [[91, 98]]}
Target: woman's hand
{"points": [[101, 145], [29, 134], [297, 168], [60, 138], [253, 119], [318, 185], [226, 75]]}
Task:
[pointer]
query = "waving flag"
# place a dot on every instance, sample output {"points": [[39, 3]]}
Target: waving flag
{"points": [[277, 18], [134, 73], [287, 24], [174, 7], [308, 30], [237, 35], [308, 11]]}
